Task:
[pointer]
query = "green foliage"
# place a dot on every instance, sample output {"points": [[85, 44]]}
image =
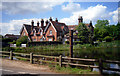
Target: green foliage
{"points": [[101, 24], [18, 43], [103, 29], [6, 40], [78, 42], [108, 39], [83, 32], [23, 39], [70, 70], [66, 42]]}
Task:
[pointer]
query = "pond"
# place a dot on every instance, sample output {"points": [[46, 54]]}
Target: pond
{"points": [[111, 65]]}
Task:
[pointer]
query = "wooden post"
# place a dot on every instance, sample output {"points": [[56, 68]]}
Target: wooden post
{"points": [[100, 66], [31, 58], [60, 60], [11, 55], [71, 43]]}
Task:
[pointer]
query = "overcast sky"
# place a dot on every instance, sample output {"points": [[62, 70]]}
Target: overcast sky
{"points": [[15, 14]]}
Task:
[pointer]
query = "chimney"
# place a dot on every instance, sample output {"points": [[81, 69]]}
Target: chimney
{"points": [[46, 22], [80, 19], [50, 19], [37, 23], [90, 23], [32, 25], [56, 20], [42, 22]]}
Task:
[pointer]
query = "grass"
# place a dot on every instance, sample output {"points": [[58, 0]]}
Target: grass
{"points": [[70, 70]]}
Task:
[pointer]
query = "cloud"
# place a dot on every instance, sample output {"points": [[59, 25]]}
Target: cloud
{"points": [[71, 7], [114, 15], [28, 7], [14, 26], [91, 13]]}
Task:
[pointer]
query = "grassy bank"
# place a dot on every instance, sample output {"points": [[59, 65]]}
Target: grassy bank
{"points": [[70, 70], [106, 50]]}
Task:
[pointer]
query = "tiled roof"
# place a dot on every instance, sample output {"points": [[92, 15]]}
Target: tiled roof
{"points": [[28, 28], [60, 26]]}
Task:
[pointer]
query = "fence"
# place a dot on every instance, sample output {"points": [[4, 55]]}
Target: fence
{"points": [[61, 60]]}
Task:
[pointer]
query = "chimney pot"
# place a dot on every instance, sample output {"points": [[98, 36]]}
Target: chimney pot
{"points": [[56, 20], [42, 22], [80, 19], [50, 19], [46, 22], [32, 25], [37, 23]]}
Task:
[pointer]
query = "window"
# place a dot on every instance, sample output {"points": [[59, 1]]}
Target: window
{"points": [[34, 39], [50, 32], [66, 40], [41, 39], [24, 33], [34, 33], [50, 39], [40, 33]]}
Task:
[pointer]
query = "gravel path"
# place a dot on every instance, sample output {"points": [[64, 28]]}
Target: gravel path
{"points": [[18, 66]]}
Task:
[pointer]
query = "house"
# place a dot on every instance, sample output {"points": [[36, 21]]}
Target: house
{"points": [[51, 30], [15, 37], [48, 31]]}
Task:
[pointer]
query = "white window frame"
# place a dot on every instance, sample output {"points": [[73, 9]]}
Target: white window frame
{"points": [[24, 33], [41, 33], [41, 39], [50, 39], [34, 39]]}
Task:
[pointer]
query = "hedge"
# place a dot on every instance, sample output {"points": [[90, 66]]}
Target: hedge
{"points": [[43, 43]]}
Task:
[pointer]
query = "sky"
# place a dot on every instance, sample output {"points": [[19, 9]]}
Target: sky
{"points": [[15, 14]]}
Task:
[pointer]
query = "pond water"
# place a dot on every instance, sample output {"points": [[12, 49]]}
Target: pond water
{"points": [[116, 66], [104, 53]]}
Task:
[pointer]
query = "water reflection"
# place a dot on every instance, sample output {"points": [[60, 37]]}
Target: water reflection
{"points": [[116, 66]]}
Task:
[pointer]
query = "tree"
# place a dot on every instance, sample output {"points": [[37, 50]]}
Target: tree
{"points": [[118, 31], [22, 40], [102, 23], [100, 30], [83, 32]]}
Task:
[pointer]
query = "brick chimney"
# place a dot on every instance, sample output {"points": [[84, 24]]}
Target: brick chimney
{"points": [[50, 19], [46, 22], [42, 22], [32, 25], [37, 23], [90, 23], [80, 19], [56, 20]]}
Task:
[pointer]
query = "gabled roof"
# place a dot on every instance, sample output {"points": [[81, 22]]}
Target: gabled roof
{"points": [[60, 26], [28, 28]]}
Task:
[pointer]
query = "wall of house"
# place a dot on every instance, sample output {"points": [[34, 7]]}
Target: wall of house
{"points": [[24, 31], [37, 38], [53, 33]]}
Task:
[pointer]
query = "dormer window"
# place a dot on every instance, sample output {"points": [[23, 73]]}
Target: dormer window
{"points": [[50, 32], [40, 33], [24, 33], [34, 33]]}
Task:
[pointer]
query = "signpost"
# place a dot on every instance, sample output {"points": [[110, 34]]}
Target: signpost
{"points": [[71, 43]]}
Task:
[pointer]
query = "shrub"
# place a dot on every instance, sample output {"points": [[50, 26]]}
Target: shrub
{"points": [[78, 42], [66, 42], [18, 43], [23, 39], [108, 39]]}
